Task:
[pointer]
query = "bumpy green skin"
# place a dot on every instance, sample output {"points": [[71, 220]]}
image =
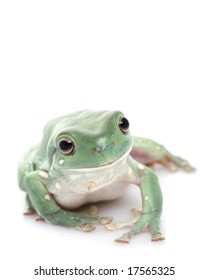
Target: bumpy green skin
{"points": [[100, 167]]}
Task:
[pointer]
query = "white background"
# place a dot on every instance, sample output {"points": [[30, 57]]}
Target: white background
{"points": [[146, 58]]}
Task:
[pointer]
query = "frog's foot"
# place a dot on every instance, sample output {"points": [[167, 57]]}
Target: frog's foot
{"points": [[87, 227], [29, 212], [40, 219], [154, 165], [173, 163], [116, 226], [89, 215], [185, 165], [125, 238], [145, 222], [130, 223], [166, 162], [94, 220], [92, 211], [105, 220], [157, 237], [136, 212], [169, 164]]}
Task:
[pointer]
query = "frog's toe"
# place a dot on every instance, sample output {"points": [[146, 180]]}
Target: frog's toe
{"points": [[154, 165], [125, 238], [29, 212], [86, 227], [172, 167], [169, 164], [187, 167], [105, 220], [39, 219], [92, 210], [119, 225], [111, 227], [130, 223], [157, 237], [136, 212], [174, 163]]}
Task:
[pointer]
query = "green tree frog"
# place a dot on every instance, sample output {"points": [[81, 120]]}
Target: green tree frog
{"points": [[90, 156]]}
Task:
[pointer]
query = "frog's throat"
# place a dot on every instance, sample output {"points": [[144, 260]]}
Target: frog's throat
{"points": [[104, 167]]}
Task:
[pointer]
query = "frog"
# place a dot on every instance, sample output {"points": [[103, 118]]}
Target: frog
{"points": [[90, 156]]}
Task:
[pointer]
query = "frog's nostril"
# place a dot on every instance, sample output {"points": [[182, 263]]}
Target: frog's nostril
{"points": [[102, 146], [97, 150], [100, 149]]}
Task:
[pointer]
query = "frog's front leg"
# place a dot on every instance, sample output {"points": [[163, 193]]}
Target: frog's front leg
{"points": [[50, 211], [149, 217], [149, 152]]}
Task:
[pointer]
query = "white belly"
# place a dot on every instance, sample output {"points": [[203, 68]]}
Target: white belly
{"points": [[71, 200], [80, 187]]}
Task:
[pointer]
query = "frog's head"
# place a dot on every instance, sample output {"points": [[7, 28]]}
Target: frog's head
{"points": [[89, 139]]}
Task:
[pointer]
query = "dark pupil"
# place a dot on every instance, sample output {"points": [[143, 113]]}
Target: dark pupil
{"points": [[124, 123], [65, 145]]}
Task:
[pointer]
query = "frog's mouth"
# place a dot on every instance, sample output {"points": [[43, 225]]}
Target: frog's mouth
{"points": [[105, 166]]}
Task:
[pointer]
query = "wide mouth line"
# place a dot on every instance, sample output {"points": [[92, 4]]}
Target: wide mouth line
{"points": [[102, 167]]}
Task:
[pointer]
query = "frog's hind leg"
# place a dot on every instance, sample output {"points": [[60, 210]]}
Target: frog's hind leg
{"points": [[30, 210], [25, 167], [151, 154]]}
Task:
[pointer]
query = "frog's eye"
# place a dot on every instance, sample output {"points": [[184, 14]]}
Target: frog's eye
{"points": [[66, 146], [123, 125]]}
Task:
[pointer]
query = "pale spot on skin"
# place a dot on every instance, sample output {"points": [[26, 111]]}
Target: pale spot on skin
{"points": [[146, 198], [47, 197], [26, 172], [158, 148], [43, 174], [90, 185], [61, 161], [58, 186], [129, 171], [140, 166], [101, 143]]}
